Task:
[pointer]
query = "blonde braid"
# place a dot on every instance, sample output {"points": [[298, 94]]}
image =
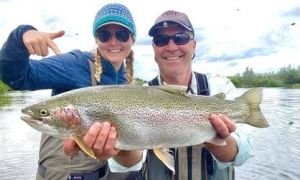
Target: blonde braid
{"points": [[129, 67], [98, 65]]}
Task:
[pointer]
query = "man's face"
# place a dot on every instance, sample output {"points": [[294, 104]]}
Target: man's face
{"points": [[174, 59]]}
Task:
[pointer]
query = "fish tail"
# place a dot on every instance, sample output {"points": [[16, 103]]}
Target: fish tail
{"points": [[253, 99]]}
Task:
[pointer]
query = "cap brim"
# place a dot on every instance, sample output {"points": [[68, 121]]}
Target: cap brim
{"points": [[116, 23], [159, 26]]}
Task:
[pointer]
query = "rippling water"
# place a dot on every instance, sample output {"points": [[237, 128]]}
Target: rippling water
{"points": [[277, 148], [19, 142]]}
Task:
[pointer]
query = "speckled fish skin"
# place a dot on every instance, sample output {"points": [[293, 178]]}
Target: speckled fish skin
{"points": [[145, 117]]}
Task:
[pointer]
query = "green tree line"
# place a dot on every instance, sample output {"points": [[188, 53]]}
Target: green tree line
{"points": [[286, 77]]}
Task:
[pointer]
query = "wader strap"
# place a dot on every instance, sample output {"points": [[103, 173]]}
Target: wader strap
{"points": [[176, 166], [92, 69], [196, 160], [189, 162], [231, 174], [202, 84], [154, 82], [207, 165], [182, 163]]}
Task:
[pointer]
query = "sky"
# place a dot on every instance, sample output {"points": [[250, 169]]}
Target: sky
{"points": [[231, 34]]}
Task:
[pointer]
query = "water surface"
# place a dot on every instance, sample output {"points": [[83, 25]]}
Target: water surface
{"points": [[277, 148]]}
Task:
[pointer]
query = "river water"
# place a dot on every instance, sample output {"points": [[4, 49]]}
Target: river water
{"points": [[277, 148]]}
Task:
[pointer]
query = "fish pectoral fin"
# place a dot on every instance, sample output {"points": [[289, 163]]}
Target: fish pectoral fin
{"points": [[166, 157], [217, 140], [220, 95], [175, 89], [84, 147]]}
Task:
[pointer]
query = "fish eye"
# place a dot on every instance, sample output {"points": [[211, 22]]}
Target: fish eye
{"points": [[43, 112]]}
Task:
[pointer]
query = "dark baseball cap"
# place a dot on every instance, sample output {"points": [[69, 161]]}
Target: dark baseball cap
{"points": [[169, 19]]}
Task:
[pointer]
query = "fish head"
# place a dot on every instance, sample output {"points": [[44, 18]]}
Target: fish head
{"points": [[57, 118]]}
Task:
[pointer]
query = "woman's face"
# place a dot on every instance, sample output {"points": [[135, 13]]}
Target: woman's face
{"points": [[114, 43]]}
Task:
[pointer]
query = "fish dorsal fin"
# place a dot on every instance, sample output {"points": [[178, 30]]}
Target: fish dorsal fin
{"points": [[165, 157], [175, 89], [220, 95], [84, 147]]}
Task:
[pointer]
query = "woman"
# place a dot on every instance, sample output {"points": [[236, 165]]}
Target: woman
{"points": [[114, 31]]}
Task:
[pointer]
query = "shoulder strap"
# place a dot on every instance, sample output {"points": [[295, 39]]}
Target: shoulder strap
{"points": [[202, 84], [193, 153], [92, 67], [154, 82]]}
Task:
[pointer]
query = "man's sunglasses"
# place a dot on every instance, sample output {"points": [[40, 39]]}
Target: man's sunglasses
{"points": [[179, 39], [105, 35]]}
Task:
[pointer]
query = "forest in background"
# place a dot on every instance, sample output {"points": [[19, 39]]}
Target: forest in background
{"points": [[287, 77]]}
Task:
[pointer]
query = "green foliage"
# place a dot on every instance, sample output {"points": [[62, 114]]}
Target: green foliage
{"points": [[285, 77], [3, 88], [138, 81]]}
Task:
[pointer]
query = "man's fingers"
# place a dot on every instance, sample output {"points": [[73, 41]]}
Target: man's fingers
{"points": [[219, 125], [231, 126]]}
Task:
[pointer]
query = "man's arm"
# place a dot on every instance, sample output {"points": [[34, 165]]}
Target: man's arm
{"points": [[237, 149]]}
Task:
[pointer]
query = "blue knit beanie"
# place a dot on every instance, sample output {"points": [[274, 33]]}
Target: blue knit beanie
{"points": [[114, 13]]}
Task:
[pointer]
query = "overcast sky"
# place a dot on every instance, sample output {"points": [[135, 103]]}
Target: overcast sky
{"points": [[231, 34]]}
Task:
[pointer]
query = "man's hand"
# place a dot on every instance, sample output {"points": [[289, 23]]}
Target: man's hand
{"points": [[224, 126], [101, 138], [38, 42]]}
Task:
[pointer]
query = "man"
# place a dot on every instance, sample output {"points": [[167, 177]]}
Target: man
{"points": [[174, 49]]}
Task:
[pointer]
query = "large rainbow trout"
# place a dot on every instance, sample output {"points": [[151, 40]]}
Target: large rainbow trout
{"points": [[144, 117]]}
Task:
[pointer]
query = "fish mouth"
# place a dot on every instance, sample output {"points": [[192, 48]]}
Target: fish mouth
{"points": [[32, 119], [39, 124]]}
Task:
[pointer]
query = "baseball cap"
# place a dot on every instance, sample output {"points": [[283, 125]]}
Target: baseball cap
{"points": [[169, 19], [114, 13]]}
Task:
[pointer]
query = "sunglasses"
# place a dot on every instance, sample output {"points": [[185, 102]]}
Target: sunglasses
{"points": [[179, 39], [105, 35]]}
